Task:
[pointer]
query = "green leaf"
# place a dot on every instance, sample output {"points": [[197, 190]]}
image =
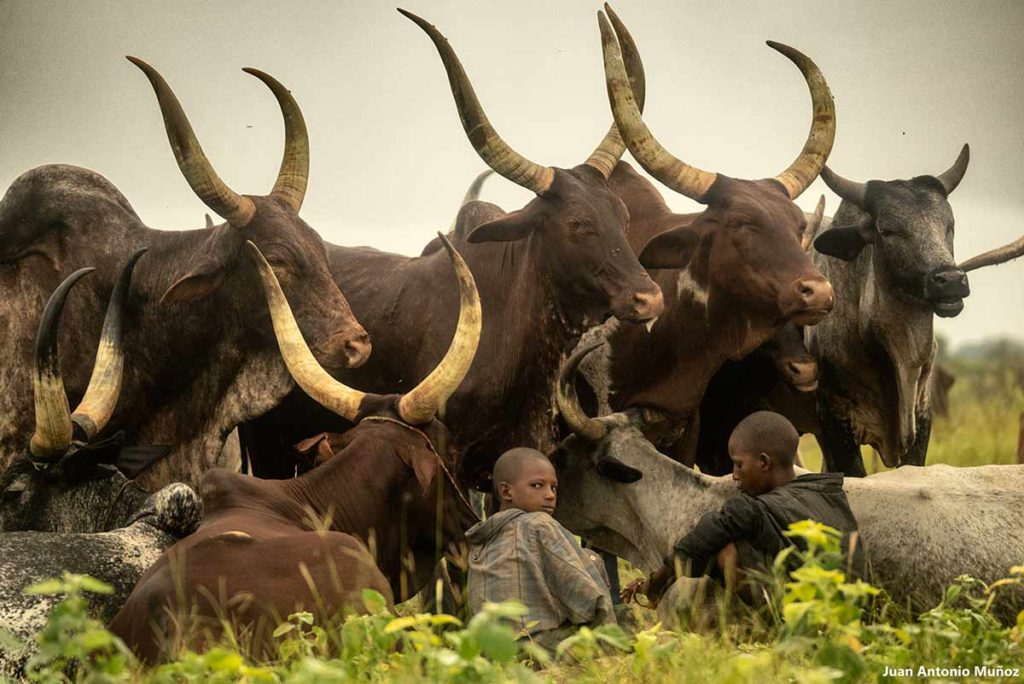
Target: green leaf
{"points": [[94, 585], [400, 623], [283, 629], [497, 643], [48, 587], [374, 601]]}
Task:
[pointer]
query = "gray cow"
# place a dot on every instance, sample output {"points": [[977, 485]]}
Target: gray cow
{"points": [[889, 257], [922, 526], [118, 557]]}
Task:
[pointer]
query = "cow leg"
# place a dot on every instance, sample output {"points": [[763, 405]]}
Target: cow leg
{"points": [[839, 448], [918, 451]]}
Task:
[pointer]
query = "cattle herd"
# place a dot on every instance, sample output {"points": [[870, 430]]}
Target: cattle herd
{"points": [[370, 393]]}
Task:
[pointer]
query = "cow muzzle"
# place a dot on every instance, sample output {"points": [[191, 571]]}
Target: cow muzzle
{"points": [[807, 301], [945, 290], [344, 350], [801, 375], [639, 305]]}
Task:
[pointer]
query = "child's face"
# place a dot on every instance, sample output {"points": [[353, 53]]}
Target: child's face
{"points": [[751, 470], [535, 488]]}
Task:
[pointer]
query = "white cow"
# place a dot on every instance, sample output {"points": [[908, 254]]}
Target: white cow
{"points": [[922, 526]]}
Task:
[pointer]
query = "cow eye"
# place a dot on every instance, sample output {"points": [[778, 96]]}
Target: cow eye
{"points": [[580, 228]]}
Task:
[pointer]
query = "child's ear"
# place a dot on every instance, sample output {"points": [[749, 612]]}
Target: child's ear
{"points": [[504, 491], [765, 461]]}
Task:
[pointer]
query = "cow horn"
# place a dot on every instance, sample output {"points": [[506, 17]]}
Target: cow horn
{"points": [[853, 192], [236, 209], [422, 403], [488, 144], [303, 366], [674, 173], [97, 406], [473, 191], [951, 177], [52, 435], [608, 153], [802, 172], [590, 429], [290, 186], [811, 230], [995, 257]]}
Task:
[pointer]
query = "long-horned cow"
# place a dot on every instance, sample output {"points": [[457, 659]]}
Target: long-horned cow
{"points": [[298, 544], [889, 253], [732, 275], [546, 273], [200, 350]]}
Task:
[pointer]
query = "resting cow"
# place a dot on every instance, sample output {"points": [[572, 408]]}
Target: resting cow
{"points": [[732, 275], [546, 272], [123, 529], [889, 254], [268, 548], [922, 527], [200, 349]]}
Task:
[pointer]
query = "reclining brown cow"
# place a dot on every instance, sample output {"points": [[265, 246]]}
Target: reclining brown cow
{"points": [[268, 548]]}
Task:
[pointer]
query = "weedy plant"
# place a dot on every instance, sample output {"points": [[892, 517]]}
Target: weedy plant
{"points": [[816, 625]]}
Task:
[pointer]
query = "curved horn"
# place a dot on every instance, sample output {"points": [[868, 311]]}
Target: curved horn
{"points": [[811, 230], [488, 144], [951, 177], [811, 160], [656, 160], [422, 403], [473, 191], [303, 366], [995, 257], [290, 186], [578, 421], [194, 165], [97, 406], [853, 192], [608, 153], [52, 435]]}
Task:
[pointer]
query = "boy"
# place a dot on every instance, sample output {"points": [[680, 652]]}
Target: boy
{"points": [[762, 447], [521, 553]]}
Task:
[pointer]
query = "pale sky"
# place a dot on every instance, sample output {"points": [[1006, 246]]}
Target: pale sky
{"points": [[912, 81]]}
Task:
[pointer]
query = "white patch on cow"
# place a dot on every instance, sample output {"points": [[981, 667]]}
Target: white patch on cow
{"points": [[234, 535], [686, 285]]}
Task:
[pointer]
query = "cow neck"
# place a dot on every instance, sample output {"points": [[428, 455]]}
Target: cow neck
{"points": [[669, 368], [526, 334], [209, 380], [888, 339]]}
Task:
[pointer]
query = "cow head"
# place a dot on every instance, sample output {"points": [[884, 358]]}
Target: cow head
{"points": [[576, 223], [909, 223], [69, 479], [271, 222], [745, 246]]}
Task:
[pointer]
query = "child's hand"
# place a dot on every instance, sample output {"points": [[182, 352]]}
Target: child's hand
{"points": [[632, 590]]}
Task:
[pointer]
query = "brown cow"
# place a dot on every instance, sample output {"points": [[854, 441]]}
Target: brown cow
{"points": [[267, 548], [201, 356], [739, 272], [546, 273]]}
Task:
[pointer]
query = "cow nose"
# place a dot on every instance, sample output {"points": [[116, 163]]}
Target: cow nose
{"points": [[808, 300], [648, 305], [815, 294], [802, 374], [357, 350], [949, 279]]}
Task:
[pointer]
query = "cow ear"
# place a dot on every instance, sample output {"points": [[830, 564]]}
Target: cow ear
{"points": [[844, 242], [423, 463], [672, 249], [509, 228], [208, 266]]}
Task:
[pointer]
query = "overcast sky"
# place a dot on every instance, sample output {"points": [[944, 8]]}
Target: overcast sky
{"points": [[912, 82]]}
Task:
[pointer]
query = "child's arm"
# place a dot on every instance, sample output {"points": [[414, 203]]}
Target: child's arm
{"points": [[569, 580], [739, 518]]}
